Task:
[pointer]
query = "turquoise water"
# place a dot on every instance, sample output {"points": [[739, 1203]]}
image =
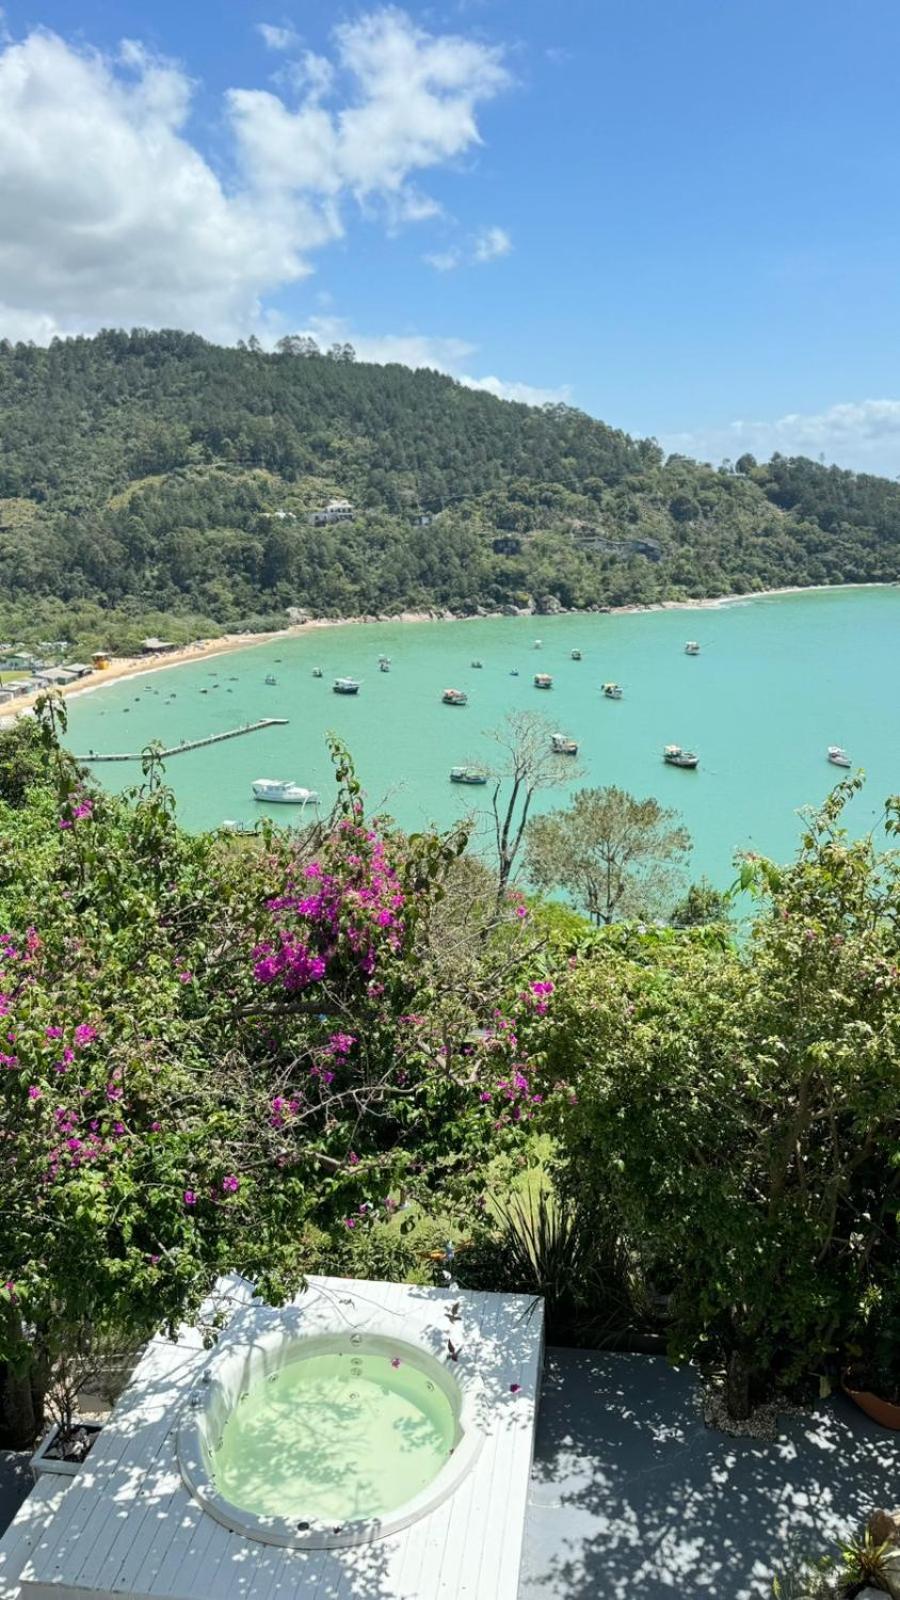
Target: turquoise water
{"points": [[335, 1438], [777, 681]]}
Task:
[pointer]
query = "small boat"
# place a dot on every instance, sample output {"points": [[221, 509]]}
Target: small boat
{"points": [[576, 655], [384, 666], [476, 663], [317, 672], [562, 745], [538, 644], [473, 775], [674, 756], [543, 680], [611, 691], [692, 648], [345, 686], [281, 792], [837, 756], [454, 697], [384, 658], [271, 679], [229, 826], [514, 672]]}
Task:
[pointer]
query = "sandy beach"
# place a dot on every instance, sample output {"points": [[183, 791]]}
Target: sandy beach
{"points": [[138, 666]]}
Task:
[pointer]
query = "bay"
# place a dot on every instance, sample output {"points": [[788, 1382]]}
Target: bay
{"points": [[777, 681]]}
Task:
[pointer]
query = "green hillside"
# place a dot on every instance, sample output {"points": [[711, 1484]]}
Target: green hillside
{"points": [[154, 481]]}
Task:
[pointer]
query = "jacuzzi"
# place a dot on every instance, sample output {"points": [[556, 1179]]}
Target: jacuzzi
{"points": [[330, 1438]]}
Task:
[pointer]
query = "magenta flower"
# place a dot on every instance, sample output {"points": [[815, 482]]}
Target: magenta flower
{"points": [[185, 977], [189, 1197], [514, 1388], [53, 1033], [231, 1183], [340, 1044], [34, 1092], [84, 1034]]}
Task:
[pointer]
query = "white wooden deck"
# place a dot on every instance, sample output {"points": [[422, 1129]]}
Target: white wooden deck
{"points": [[127, 1526], [26, 1530]]}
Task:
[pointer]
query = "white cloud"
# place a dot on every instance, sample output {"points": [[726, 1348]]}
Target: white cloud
{"points": [[528, 393], [112, 215], [862, 434], [276, 38], [492, 243], [444, 260], [487, 245]]}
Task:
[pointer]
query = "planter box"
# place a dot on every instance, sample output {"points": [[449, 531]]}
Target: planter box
{"points": [[881, 1411], [44, 1462]]}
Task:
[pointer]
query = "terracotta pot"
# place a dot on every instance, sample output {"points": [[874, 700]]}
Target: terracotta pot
{"points": [[884, 1412]]}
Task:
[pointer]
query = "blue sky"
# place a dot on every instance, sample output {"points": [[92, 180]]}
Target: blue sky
{"points": [[678, 214]]}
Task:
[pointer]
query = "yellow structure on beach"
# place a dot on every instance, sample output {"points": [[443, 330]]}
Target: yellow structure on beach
{"points": [[99, 660]]}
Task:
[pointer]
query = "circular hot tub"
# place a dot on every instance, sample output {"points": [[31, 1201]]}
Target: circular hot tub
{"points": [[326, 1440]]}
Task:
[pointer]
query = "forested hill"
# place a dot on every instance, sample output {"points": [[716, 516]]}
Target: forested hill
{"points": [[154, 480]]}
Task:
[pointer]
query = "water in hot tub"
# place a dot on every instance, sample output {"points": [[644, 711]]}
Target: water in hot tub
{"points": [[333, 1438]]}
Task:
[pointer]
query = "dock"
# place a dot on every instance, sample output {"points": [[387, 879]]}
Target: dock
{"points": [[191, 744]]}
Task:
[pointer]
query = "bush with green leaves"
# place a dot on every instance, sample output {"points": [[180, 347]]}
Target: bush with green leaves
{"points": [[738, 1109]]}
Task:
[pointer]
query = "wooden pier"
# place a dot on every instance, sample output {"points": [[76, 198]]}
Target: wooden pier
{"points": [[192, 744]]}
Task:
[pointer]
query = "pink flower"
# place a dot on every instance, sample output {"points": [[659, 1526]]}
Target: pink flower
{"points": [[53, 1033], [353, 1159], [340, 1044], [113, 1092], [34, 1093], [84, 1034], [521, 911], [230, 1183], [189, 1197], [185, 977]]}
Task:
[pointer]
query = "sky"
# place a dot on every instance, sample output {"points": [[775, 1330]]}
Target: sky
{"points": [[678, 215]]}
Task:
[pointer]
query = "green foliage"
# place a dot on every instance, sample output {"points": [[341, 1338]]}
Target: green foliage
{"points": [[154, 483], [738, 1111], [702, 904], [616, 856]]}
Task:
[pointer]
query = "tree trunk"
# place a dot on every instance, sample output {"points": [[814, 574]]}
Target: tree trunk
{"points": [[737, 1386]]}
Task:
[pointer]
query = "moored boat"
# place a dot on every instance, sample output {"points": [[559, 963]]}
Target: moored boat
{"points": [[611, 691], [838, 756], [454, 697], [562, 745], [345, 686], [576, 655], [674, 756], [476, 663], [692, 648], [473, 775], [282, 792], [543, 680], [270, 679], [384, 666], [317, 672]]}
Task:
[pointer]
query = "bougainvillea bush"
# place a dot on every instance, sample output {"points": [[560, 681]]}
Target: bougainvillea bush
{"points": [[209, 1047]]}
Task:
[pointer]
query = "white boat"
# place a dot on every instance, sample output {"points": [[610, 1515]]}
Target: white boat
{"points": [[270, 679], [692, 648], [562, 745], [317, 672], [384, 666], [576, 655], [674, 756], [611, 691], [473, 775], [345, 686], [454, 697], [282, 792], [543, 680], [538, 644], [837, 756], [476, 663]]}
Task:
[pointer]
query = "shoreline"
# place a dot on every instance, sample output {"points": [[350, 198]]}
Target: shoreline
{"points": [[203, 649]]}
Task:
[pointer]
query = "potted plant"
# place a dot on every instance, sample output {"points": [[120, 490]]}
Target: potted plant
{"points": [[70, 1437]]}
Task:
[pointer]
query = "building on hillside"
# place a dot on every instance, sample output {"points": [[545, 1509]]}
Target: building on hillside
{"points": [[155, 647], [423, 520], [51, 678], [335, 511]]}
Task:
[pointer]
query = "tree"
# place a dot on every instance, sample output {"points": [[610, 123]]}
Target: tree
{"points": [[736, 1113], [703, 903], [528, 764], [215, 1053], [616, 856]]}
